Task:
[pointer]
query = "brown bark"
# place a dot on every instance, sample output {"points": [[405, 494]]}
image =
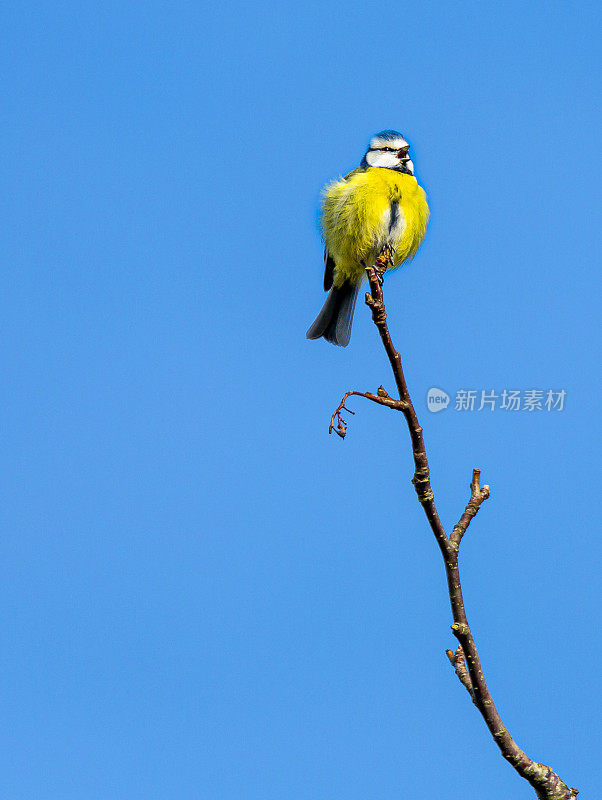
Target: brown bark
{"points": [[465, 660]]}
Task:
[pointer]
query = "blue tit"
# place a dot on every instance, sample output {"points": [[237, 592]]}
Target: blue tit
{"points": [[377, 208]]}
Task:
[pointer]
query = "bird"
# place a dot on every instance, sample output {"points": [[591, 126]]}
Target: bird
{"points": [[377, 208]]}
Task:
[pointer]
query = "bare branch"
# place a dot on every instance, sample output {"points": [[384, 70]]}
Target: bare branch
{"points": [[465, 660], [421, 479]]}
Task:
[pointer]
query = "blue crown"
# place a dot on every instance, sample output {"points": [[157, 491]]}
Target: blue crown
{"points": [[388, 134]]}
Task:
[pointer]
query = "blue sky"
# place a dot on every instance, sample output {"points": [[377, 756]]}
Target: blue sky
{"points": [[202, 594]]}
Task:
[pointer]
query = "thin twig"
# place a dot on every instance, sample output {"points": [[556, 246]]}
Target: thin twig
{"points": [[477, 497], [466, 661], [381, 397]]}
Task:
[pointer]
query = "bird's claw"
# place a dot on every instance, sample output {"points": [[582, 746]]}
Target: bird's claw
{"points": [[384, 261]]}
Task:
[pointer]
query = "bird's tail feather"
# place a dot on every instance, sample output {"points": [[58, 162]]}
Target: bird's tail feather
{"points": [[334, 320]]}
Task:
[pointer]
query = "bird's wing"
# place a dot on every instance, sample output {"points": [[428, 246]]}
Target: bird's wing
{"points": [[328, 260], [328, 270]]}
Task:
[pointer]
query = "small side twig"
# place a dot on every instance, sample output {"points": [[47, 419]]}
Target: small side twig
{"points": [[458, 662], [381, 397], [477, 497]]}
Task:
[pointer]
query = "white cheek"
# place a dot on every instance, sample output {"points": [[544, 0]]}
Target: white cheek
{"points": [[410, 166], [381, 158]]}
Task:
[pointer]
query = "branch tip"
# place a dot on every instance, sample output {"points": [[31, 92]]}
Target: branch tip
{"points": [[475, 484]]}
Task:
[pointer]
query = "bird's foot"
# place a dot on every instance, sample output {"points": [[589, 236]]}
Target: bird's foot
{"points": [[389, 251], [383, 262]]}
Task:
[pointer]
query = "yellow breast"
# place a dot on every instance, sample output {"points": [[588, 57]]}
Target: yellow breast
{"points": [[358, 219]]}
